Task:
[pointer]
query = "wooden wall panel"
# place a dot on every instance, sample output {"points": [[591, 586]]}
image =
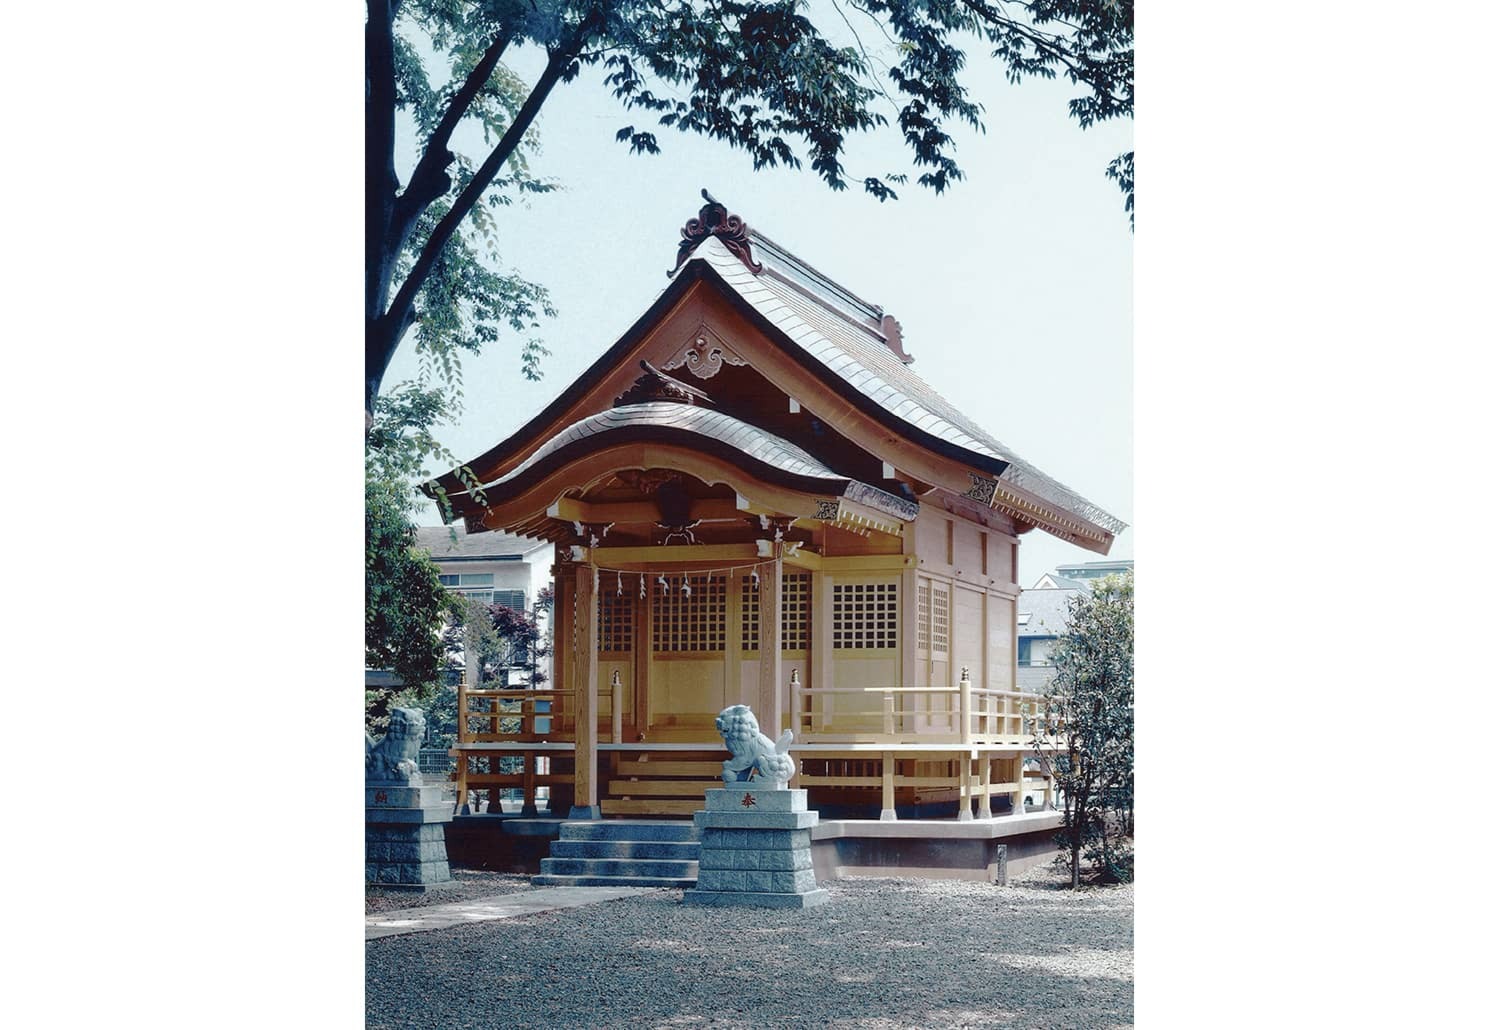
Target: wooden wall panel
{"points": [[1002, 646], [967, 633]]}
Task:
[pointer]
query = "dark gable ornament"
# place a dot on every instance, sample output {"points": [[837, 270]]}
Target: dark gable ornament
{"points": [[714, 219], [656, 385]]}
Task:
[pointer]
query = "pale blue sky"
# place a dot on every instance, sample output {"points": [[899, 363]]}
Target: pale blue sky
{"points": [[1013, 289]]}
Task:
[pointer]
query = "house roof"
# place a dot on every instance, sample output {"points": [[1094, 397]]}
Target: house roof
{"points": [[438, 541], [833, 334], [1049, 580], [1086, 567], [1048, 611]]}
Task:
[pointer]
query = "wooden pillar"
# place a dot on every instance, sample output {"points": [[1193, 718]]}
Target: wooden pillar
{"points": [[769, 703], [1018, 799], [586, 694], [887, 787], [528, 784], [965, 801], [820, 648], [985, 761]]}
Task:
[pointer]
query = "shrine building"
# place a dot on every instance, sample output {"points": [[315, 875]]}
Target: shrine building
{"points": [[753, 498]]}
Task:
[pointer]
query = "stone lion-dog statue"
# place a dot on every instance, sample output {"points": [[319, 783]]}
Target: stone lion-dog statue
{"points": [[395, 757], [756, 758]]}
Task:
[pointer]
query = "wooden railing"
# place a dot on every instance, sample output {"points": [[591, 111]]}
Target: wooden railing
{"points": [[512, 714], [963, 714], [998, 725]]}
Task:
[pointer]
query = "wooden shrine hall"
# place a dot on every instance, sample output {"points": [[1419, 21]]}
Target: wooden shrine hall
{"points": [[754, 499]]}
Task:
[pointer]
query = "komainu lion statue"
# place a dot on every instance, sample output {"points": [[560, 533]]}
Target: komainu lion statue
{"points": [[395, 757], [755, 756]]}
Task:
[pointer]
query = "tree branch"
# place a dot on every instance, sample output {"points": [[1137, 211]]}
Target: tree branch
{"points": [[429, 180], [380, 147], [384, 334]]}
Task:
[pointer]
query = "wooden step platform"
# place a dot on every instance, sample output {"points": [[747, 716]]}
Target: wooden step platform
{"points": [[659, 787]]}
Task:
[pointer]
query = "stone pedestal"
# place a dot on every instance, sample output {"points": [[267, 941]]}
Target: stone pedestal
{"points": [[755, 850], [404, 826]]}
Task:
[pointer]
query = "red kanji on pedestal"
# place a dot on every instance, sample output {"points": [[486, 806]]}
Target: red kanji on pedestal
{"points": [[749, 800], [380, 797]]}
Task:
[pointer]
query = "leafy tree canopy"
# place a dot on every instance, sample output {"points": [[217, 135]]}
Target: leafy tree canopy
{"points": [[406, 606], [1087, 737], [787, 81]]}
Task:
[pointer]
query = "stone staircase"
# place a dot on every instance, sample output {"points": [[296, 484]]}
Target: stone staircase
{"points": [[622, 853]]}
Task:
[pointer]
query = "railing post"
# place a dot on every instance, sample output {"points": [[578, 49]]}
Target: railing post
{"points": [[616, 713], [888, 705], [965, 708], [796, 691]]}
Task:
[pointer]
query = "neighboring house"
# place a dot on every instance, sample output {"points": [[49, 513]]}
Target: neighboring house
{"points": [[1042, 613], [1076, 577], [754, 499], [491, 568]]}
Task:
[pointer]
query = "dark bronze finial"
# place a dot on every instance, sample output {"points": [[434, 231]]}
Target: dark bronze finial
{"points": [[714, 219]]}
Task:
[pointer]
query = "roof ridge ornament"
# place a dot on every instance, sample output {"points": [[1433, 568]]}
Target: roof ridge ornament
{"points": [[714, 219]]}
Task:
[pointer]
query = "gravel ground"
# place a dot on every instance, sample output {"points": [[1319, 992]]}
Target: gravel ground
{"points": [[467, 885], [883, 953]]}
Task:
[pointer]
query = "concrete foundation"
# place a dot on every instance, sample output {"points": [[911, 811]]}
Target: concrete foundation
{"points": [[501, 843], [934, 849], [931, 849]]}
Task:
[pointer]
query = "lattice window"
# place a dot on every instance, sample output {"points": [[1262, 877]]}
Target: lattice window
{"points": [[924, 615], [616, 620], [796, 612], [864, 615], [939, 618], [688, 621]]}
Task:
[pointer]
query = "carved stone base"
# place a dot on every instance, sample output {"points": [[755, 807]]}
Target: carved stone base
{"points": [[405, 843], [755, 851]]}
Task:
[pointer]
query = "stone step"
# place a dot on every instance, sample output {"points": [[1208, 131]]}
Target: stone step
{"points": [[679, 849], [627, 830], [669, 869], [552, 880]]}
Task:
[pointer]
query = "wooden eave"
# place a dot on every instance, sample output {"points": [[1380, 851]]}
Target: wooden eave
{"points": [[535, 503]]}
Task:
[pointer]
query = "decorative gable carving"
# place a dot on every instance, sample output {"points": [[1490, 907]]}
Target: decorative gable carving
{"points": [[704, 354]]}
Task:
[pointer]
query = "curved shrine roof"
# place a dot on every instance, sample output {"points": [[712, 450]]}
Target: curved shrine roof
{"points": [[707, 431], [834, 334]]}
